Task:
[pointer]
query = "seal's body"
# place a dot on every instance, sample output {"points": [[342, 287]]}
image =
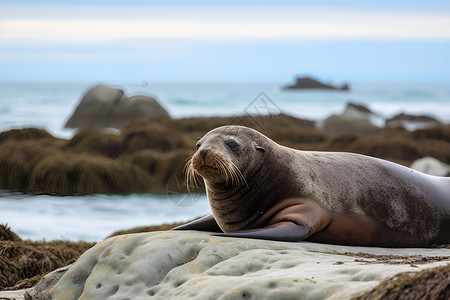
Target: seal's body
{"points": [[259, 189]]}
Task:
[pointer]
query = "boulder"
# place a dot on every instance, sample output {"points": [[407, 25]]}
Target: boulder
{"points": [[356, 119], [411, 122], [106, 107], [431, 166], [310, 83], [195, 265]]}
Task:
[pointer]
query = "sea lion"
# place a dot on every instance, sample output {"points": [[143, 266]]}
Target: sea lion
{"points": [[259, 189]]}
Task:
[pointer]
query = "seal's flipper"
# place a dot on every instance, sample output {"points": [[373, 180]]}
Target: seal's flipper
{"points": [[283, 231], [207, 223]]}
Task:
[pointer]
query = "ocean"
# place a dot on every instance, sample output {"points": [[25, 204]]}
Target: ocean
{"points": [[49, 105], [93, 217]]}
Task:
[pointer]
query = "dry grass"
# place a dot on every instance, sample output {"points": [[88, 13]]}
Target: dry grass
{"points": [[24, 134], [6, 234], [440, 132], [172, 163], [143, 134], [393, 144], [428, 284], [96, 141], [83, 173], [148, 153], [387, 147], [161, 166], [147, 159], [17, 160], [25, 259]]}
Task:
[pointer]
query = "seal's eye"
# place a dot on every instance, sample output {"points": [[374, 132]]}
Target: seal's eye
{"points": [[197, 147], [231, 144]]}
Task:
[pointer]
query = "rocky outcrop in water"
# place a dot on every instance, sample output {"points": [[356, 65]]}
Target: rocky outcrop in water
{"points": [[356, 119], [310, 83], [107, 107], [411, 122]]}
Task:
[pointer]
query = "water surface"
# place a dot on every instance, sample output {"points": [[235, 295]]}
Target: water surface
{"points": [[93, 217]]}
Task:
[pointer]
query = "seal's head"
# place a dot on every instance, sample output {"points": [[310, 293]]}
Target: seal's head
{"points": [[227, 156]]}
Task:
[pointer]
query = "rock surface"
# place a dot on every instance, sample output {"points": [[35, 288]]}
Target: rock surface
{"points": [[193, 265], [106, 107], [431, 166], [12, 295], [356, 119], [310, 83], [411, 122]]}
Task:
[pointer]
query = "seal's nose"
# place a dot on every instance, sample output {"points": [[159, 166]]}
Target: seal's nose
{"points": [[203, 153]]}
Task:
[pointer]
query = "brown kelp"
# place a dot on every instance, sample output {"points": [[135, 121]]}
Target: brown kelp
{"points": [[20, 260], [70, 173], [143, 134], [96, 141], [18, 158], [148, 153], [431, 283]]}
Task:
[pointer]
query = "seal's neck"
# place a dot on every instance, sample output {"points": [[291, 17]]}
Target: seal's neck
{"points": [[233, 207], [236, 207]]}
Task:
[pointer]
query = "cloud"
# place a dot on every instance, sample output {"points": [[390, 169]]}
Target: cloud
{"points": [[219, 26]]}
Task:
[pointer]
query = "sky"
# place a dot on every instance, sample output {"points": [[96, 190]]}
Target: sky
{"points": [[224, 41]]}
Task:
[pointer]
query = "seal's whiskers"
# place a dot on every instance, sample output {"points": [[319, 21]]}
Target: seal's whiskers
{"points": [[231, 171], [239, 176], [191, 175]]}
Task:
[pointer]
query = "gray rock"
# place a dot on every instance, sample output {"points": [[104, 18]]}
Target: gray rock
{"points": [[356, 118], [106, 107], [195, 265], [12, 295], [411, 122], [431, 166], [310, 83], [40, 291]]}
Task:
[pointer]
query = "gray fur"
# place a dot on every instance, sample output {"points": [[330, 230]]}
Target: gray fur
{"points": [[397, 197]]}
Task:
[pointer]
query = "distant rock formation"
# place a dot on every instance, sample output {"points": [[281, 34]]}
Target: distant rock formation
{"points": [[431, 166], [106, 107], [411, 122], [355, 119], [357, 111], [310, 83]]}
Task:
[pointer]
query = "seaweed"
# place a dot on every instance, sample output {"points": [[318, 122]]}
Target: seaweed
{"points": [[20, 260], [431, 283]]}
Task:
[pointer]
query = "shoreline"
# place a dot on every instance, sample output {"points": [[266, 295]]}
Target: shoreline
{"points": [[186, 100]]}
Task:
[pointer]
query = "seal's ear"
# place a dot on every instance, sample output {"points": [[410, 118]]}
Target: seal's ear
{"points": [[260, 148]]}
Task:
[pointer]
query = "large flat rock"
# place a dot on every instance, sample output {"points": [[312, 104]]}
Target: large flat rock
{"points": [[195, 265]]}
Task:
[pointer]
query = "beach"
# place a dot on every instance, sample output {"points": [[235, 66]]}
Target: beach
{"points": [[299, 150], [45, 204]]}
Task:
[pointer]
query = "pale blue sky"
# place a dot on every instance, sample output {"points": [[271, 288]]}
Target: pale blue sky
{"points": [[251, 41]]}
